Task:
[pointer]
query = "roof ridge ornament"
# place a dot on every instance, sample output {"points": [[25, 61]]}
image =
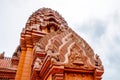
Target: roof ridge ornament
{"points": [[46, 20]]}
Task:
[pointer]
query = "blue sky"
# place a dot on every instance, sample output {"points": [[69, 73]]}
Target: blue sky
{"points": [[97, 21]]}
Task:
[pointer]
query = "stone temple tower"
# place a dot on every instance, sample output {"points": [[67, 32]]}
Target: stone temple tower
{"points": [[50, 50]]}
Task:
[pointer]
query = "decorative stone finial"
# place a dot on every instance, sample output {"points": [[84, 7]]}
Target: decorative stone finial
{"points": [[2, 55]]}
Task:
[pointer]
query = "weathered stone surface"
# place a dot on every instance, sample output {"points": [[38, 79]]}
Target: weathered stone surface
{"points": [[50, 50]]}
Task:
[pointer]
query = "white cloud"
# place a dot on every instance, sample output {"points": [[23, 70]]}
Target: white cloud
{"points": [[103, 34], [107, 45]]}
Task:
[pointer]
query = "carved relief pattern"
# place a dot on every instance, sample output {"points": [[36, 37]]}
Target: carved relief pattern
{"points": [[37, 63], [42, 18], [80, 56], [59, 44], [76, 58]]}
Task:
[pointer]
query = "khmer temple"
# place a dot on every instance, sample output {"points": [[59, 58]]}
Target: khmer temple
{"points": [[50, 50]]}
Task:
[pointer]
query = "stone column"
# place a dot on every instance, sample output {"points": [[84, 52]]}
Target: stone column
{"points": [[27, 64], [20, 65]]}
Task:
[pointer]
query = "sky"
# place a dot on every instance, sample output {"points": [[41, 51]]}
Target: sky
{"points": [[96, 21]]}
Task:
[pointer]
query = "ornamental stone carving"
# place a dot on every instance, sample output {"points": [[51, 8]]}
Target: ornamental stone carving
{"points": [[61, 46], [46, 20], [37, 63], [50, 50]]}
